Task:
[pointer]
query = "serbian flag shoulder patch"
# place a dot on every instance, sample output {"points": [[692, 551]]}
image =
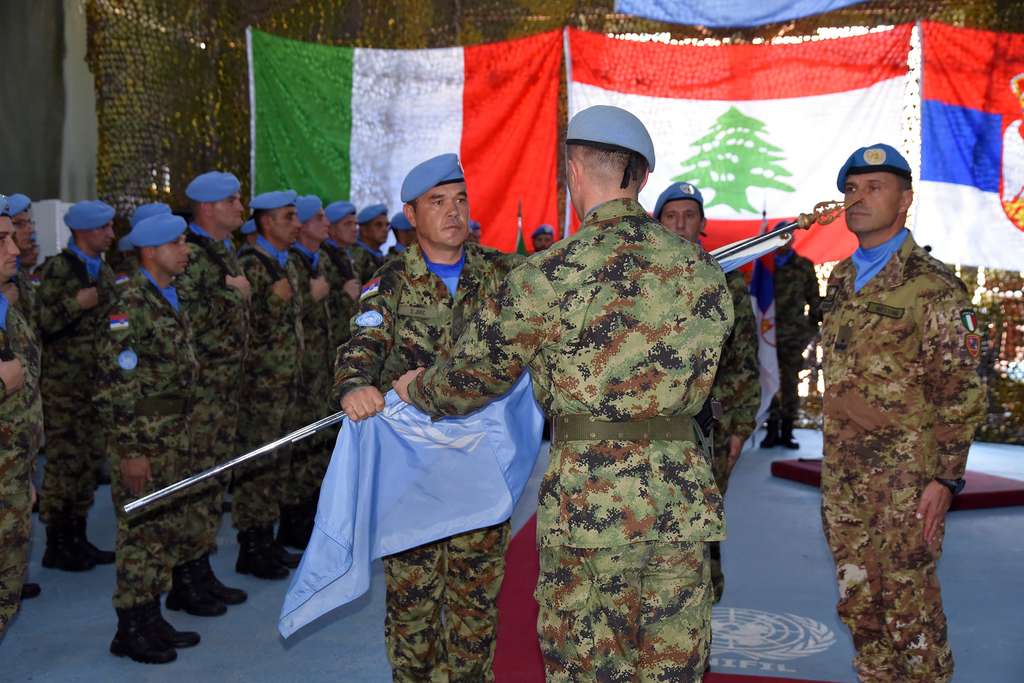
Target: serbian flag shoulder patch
{"points": [[370, 288], [119, 321], [121, 279]]}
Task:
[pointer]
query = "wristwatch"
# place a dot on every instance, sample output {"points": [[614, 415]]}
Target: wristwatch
{"points": [[955, 486]]}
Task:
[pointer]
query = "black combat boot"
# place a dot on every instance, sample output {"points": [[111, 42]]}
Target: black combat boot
{"points": [[30, 590], [787, 439], [137, 638], [167, 633], [226, 594], [771, 437], [189, 594], [87, 548], [289, 531], [62, 552], [255, 556], [278, 552]]}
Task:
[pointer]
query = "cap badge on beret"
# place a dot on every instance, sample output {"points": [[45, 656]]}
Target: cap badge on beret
{"points": [[686, 188], [874, 156]]}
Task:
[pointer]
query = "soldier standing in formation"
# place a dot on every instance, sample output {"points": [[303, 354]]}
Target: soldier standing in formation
{"points": [[373, 232], [621, 327], [405, 234], [441, 613], [337, 265], [543, 237], [19, 208], [902, 400]]}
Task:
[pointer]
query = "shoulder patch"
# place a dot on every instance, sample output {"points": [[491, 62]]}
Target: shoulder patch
{"points": [[972, 343], [36, 279], [969, 320], [121, 279], [370, 288], [119, 321], [128, 359], [369, 319]]}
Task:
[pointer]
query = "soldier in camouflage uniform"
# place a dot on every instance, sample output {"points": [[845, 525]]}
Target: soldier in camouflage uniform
{"points": [[338, 269], [441, 612], [797, 316], [902, 400], [20, 210], [215, 294], [737, 387], [73, 298], [273, 376], [147, 369], [21, 430], [310, 457], [373, 232], [405, 234], [621, 326]]}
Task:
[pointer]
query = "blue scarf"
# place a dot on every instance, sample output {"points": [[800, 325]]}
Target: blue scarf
{"points": [[281, 255], [399, 248], [313, 256], [92, 263], [168, 292], [4, 305], [449, 273], [202, 233], [376, 252], [868, 262], [783, 259]]}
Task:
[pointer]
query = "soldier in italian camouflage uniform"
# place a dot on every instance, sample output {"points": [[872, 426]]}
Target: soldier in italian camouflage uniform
{"points": [[339, 271], [441, 612], [373, 232], [147, 369], [273, 375], [21, 431], [215, 293], [902, 400], [737, 387], [621, 326], [74, 296]]}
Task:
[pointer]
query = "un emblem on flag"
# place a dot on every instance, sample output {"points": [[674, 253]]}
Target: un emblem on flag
{"points": [[766, 636]]}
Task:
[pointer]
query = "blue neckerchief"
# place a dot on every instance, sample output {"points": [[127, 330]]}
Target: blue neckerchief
{"points": [[449, 273], [4, 305], [332, 244], [399, 248], [868, 262], [202, 233], [168, 292], [92, 263], [783, 259], [376, 252], [313, 256], [280, 255]]}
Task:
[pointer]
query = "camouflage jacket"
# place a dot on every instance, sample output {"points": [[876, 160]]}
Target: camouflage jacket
{"points": [[27, 304], [737, 382], [316, 324], [902, 390], [622, 321], [337, 268], [147, 374], [218, 313], [365, 263], [67, 332], [419, 321], [277, 340], [796, 287], [21, 413]]}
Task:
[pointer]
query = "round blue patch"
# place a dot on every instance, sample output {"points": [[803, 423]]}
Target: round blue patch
{"points": [[127, 360], [369, 319]]}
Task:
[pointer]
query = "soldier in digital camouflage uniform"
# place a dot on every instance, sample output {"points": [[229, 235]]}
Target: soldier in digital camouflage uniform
{"points": [[20, 210], [215, 293], [21, 430], [797, 316], [75, 293], [367, 257], [310, 457], [147, 369], [441, 612], [405, 234], [338, 269], [621, 326], [273, 377], [737, 387], [902, 400]]}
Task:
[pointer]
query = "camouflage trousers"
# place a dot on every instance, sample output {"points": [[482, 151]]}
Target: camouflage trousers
{"points": [[720, 468], [889, 594], [638, 612], [442, 615], [311, 456], [75, 448], [786, 404], [15, 528], [265, 415]]}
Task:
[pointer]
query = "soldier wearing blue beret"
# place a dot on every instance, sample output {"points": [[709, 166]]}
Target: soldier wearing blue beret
{"points": [[19, 208], [543, 237], [373, 232], [405, 234], [474, 231], [339, 269]]}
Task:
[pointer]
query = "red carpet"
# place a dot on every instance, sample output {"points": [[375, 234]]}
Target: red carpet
{"points": [[517, 658], [982, 490]]}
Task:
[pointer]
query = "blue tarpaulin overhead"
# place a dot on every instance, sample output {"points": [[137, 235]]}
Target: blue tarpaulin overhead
{"points": [[727, 13]]}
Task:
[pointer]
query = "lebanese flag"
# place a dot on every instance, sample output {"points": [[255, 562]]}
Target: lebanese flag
{"points": [[970, 200], [349, 123], [753, 126]]}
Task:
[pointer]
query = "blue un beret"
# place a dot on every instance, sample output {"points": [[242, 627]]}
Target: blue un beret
{"points": [[474, 226], [249, 227], [677, 191], [144, 211], [544, 229], [338, 210], [371, 212], [16, 203], [124, 244], [156, 230], [400, 223], [212, 187], [872, 159], [613, 126], [89, 215], [307, 206], [274, 200], [3, 205], [439, 170]]}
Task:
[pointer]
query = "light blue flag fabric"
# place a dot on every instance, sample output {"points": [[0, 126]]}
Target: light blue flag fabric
{"points": [[728, 13], [399, 480]]}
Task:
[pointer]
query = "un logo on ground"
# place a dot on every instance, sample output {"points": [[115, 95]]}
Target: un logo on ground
{"points": [[764, 636]]}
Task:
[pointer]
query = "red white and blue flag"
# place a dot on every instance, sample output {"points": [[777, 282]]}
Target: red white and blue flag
{"points": [[762, 290]]}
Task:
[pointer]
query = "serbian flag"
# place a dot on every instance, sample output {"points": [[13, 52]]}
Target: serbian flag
{"points": [[752, 125], [970, 200], [349, 123], [762, 291]]}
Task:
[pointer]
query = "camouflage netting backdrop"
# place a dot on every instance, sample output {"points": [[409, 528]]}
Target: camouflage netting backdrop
{"points": [[172, 101]]}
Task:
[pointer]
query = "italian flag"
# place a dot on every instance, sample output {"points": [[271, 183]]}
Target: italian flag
{"points": [[755, 127], [349, 123]]}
